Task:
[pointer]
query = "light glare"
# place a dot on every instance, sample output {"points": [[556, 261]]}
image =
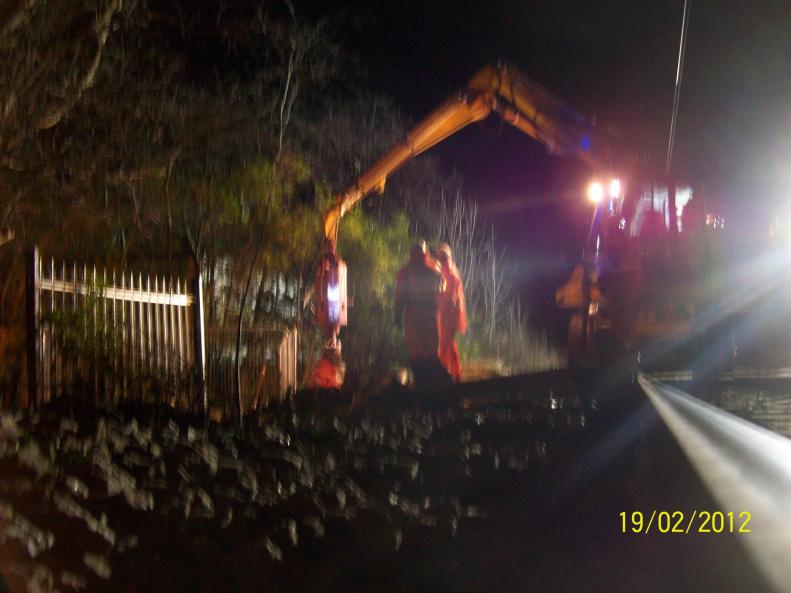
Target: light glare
{"points": [[615, 188], [744, 466], [596, 192]]}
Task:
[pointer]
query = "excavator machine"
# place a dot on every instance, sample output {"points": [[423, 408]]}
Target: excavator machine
{"points": [[661, 281], [666, 282], [641, 276], [494, 89]]}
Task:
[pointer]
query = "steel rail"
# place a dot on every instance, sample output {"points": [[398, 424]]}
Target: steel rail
{"points": [[745, 467]]}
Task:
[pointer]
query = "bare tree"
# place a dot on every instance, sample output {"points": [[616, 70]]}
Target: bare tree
{"points": [[498, 327], [494, 288]]}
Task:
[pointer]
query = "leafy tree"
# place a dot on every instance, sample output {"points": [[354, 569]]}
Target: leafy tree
{"points": [[374, 252]]}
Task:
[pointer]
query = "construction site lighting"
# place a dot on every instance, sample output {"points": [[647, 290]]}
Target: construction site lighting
{"points": [[596, 192]]}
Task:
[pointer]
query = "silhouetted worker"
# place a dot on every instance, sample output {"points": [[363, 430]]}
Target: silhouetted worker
{"points": [[452, 312], [417, 294]]}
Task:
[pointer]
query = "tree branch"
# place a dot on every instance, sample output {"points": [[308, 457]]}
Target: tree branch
{"points": [[9, 209], [17, 18], [102, 30]]}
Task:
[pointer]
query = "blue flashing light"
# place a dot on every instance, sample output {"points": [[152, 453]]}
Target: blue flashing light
{"points": [[585, 142]]}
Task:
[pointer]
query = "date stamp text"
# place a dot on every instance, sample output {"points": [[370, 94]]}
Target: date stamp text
{"points": [[688, 522]]}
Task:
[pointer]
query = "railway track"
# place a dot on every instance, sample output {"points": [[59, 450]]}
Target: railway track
{"points": [[743, 465]]}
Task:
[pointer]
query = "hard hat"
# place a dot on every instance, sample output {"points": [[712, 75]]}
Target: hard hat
{"points": [[444, 248], [418, 249]]}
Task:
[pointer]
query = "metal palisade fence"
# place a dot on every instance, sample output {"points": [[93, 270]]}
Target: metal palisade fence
{"points": [[111, 335], [267, 367], [118, 336]]}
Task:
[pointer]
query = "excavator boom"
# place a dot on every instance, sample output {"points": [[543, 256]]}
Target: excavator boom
{"points": [[517, 100], [450, 117]]}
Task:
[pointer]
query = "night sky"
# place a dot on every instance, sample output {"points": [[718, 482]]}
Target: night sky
{"points": [[613, 59]]}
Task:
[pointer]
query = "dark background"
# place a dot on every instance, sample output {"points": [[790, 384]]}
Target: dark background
{"points": [[612, 59]]}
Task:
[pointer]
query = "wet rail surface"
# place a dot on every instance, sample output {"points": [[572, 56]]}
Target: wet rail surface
{"points": [[744, 466], [760, 397], [517, 495]]}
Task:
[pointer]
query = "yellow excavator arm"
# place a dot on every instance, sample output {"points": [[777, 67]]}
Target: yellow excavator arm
{"points": [[517, 100]]}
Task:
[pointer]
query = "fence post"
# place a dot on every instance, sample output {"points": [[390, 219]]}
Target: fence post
{"points": [[295, 356], [287, 363], [200, 342], [33, 313]]}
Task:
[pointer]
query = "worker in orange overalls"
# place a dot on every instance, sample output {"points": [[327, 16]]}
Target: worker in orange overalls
{"points": [[418, 288], [452, 312]]}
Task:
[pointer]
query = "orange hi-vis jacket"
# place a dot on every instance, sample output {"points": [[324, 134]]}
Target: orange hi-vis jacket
{"points": [[453, 319]]}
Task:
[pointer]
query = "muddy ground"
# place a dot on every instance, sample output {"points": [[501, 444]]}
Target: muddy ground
{"points": [[517, 496]]}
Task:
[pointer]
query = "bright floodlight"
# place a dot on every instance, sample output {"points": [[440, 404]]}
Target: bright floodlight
{"points": [[615, 188], [595, 192]]}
